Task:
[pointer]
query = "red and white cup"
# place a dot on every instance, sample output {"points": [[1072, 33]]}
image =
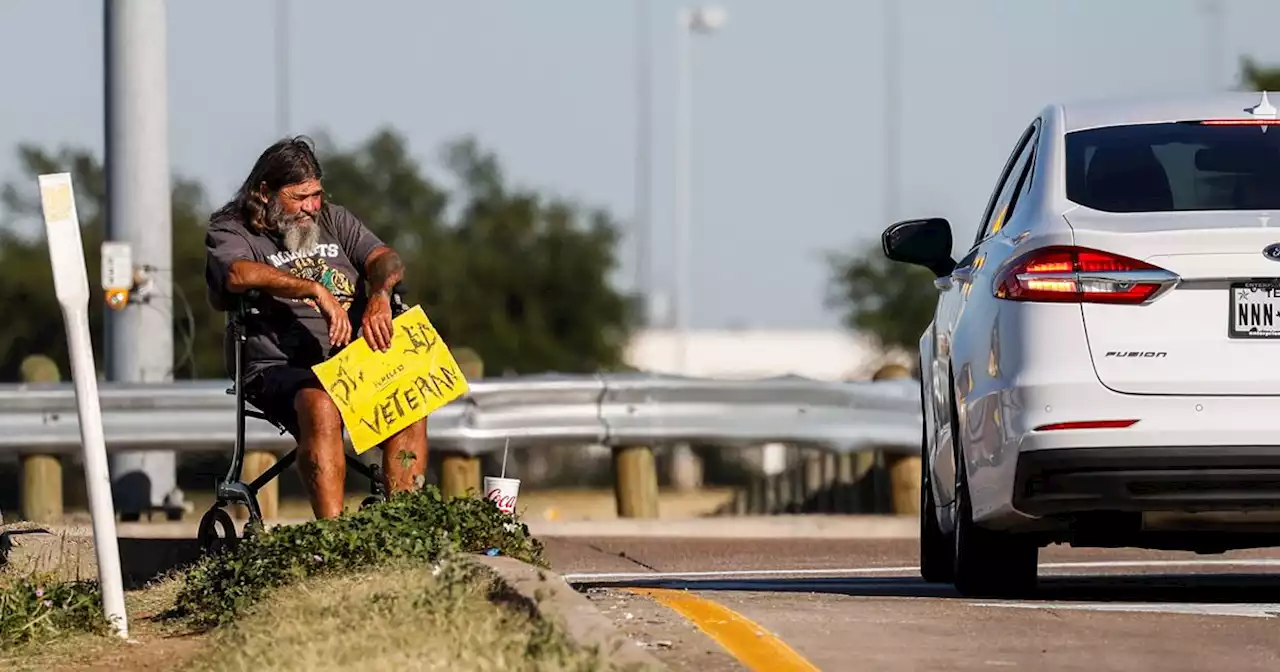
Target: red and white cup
{"points": [[502, 492]]}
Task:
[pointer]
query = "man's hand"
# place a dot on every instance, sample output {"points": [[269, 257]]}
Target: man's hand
{"points": [[376, 327], [339, 323], [385, 269]]}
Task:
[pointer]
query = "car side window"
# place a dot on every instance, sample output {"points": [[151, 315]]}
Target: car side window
{"points": [[1011, 182], [1017, 185]]}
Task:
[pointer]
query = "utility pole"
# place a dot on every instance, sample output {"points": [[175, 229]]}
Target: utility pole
{"points": [[691, 21], [139, 336], [643, 190]]}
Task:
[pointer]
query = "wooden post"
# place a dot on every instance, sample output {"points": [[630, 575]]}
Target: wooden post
{"points": [[684, 468], [41, 488], [904, 470], [459, 475], [255, 463], [41, 474], [635, 479]]}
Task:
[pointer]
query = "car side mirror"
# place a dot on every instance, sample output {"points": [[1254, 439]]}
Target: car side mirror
{"points": [[921, 242]]}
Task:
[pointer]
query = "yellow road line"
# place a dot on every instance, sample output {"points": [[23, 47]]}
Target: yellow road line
{"points": [[747, 641]]}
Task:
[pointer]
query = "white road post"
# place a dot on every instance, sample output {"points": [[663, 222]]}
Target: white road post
{"points": [[71, 284]]}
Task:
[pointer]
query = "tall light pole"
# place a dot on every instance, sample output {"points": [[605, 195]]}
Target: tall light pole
{"points": [[695, 20], [892, 108], [644, 143]]}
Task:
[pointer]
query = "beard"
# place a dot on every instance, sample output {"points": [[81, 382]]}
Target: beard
{"points": [[299, 230]]}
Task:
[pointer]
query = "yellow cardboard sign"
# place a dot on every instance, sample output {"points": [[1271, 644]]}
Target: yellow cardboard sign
{"points": [[381, 393]]}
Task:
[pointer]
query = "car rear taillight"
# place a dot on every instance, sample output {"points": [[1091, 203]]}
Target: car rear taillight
{"points": [[1086, 424], [1067, 274]]}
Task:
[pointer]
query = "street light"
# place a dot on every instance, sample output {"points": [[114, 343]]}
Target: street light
{"points": [[703, 21]]}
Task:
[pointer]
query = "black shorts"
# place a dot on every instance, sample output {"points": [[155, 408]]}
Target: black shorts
{"points": [[273, 389]]}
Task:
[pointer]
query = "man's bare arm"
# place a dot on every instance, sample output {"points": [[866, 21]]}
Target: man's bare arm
{"points": [[246, 275], [384, 269]]}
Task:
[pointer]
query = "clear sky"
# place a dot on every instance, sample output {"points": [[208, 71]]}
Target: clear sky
{"points": [[789, 114]]}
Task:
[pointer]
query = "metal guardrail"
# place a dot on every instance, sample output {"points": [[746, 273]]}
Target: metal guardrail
{"points": [[530, 411]]}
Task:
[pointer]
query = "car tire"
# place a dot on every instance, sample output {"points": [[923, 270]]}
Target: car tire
{"points": [[990, 563], [937, 549]]}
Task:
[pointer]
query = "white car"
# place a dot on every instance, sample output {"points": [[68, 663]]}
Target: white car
{"points": [[1103, 366]]}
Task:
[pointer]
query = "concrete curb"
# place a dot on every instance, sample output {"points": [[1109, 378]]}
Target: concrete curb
{"points": [[555, 599], [815, 526]]}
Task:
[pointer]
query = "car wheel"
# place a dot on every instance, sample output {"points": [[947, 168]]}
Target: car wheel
{"points": [[937, 549], [990, 563]]}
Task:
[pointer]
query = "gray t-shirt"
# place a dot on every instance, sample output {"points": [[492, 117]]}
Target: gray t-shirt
{"points": [[292, 331]]}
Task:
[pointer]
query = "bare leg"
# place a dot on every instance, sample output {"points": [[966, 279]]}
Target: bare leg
{"points": [[320, 458], [404, 457]]}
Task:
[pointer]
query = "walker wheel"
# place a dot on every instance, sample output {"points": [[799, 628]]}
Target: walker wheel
{"points": [[371, 500], [217, 531]]}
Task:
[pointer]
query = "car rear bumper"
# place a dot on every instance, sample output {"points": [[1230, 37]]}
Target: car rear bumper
{"points": [[1147, 479]]}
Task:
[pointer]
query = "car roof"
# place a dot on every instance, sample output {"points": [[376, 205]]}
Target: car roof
{"points": [[1155, 109]]}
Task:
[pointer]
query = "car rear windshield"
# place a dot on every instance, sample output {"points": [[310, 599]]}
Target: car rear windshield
{"points": [[1170, 167]]}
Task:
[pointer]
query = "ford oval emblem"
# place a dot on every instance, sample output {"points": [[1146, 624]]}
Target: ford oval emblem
{"points": [[1272, 252]]}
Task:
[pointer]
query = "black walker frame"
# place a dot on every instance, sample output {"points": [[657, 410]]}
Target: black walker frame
{"points": [[217, 529]]}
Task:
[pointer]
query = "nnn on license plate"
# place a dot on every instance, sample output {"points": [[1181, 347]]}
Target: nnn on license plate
{"points": [[1255, 309]]}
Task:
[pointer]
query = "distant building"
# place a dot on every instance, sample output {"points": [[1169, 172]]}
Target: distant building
{"points": [[822, 354]]}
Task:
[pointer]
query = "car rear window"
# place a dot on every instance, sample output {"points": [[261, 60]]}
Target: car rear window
{"points": [[1174, 166]]}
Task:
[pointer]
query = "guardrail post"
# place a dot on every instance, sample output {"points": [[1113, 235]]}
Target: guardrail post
{"points": [[635, 479], [685, 468], [41, 474], [904, 470], [459, 474], [255, 463]]}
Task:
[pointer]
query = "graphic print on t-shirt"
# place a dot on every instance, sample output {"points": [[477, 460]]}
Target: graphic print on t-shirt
{"points": [[314, 268]]}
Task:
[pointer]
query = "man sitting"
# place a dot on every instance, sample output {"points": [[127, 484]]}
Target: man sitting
{"points": [[318, 270]]}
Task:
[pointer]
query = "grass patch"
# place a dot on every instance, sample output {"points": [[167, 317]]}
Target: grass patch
{"points": [[366, 567], [401, 616], [155, 644], [418, 526], [39, 608]]}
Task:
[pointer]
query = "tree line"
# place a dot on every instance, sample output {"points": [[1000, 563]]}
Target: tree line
{"points": [[520, 277]]}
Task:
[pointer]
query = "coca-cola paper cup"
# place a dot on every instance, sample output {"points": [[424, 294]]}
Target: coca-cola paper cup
{"points": [[503, 492]]}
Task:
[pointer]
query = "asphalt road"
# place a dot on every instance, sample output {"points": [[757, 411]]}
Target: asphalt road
{"points": [[860, 605]]}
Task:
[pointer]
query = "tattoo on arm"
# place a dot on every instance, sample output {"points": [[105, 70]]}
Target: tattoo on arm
{"points": [[247, 275], [385, 270]]}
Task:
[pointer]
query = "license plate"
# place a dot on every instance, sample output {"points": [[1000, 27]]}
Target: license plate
{"points": [[1255, 309]]}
